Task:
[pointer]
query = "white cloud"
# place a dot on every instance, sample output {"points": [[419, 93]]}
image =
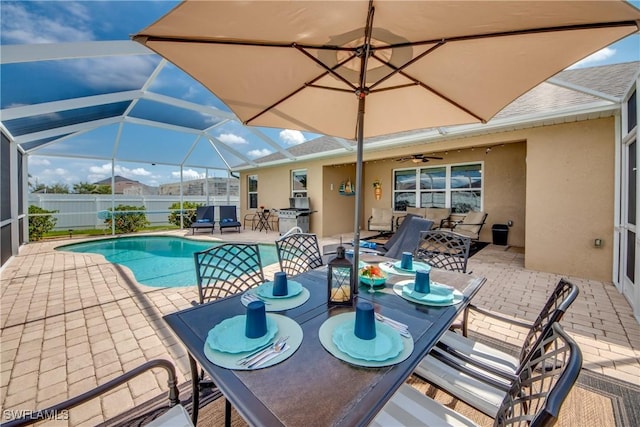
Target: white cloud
{"points": [[20, 25], [56, 176], [188, 174], [38, 161], [114, 72], [594, 59], [259, 153], [103, 171], [231, 138], [292, 137]]}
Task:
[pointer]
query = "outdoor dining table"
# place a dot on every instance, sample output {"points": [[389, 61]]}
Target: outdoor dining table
{"points": [[263, 220], [312, 387]]}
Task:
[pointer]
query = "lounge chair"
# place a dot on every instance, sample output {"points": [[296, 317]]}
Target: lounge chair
{"points": [[228, 218], [534, 398], [408, 238], [205, 219]]}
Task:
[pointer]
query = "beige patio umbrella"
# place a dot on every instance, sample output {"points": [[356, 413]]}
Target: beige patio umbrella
{"points": [[316, 65]]}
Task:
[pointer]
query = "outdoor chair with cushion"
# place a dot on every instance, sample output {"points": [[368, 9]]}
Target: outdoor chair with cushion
{"points": [[437, 215], [533, 399], [228, 218], [381, 219], [479, 374], [443, 249], [221, 271], [470, 225], [298, 252], [204, 219], [151, 413]]}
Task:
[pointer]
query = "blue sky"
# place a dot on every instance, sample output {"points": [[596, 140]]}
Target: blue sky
{"points": [[27, 22]]}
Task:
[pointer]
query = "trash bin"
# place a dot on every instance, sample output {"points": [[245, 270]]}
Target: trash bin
{"points": [[500, 234]]}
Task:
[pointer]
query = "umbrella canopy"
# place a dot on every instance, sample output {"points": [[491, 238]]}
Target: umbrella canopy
{"points": [[313, 65]]}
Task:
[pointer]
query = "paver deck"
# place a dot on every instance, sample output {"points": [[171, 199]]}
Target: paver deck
{"points": [[71, 321]]}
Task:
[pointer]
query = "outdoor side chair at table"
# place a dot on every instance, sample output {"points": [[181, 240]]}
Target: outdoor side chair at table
{"points": [[481, 375], [443, 249], [534, 399], [221, 271], [298, 252]]}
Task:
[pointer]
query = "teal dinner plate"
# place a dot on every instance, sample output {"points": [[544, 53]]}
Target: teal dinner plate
{"points": [[326, 333], [266, 290], [287, 327], [386, 345], [394, 268], [438, 293], [399, 287], [229, 335]]}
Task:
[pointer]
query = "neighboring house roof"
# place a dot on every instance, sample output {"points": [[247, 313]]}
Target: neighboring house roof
{"points": [[117, 179], [569, 92]]}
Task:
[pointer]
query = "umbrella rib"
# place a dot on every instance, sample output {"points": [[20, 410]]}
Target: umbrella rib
{"points": [[396, 70], [309, 83], [591, 26], [327, 69]]}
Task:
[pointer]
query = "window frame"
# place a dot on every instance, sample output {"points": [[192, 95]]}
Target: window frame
{"points": [[449, 190], [294, 191], [252, 193]]}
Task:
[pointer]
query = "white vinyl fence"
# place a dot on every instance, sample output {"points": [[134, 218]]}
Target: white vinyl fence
{"points": [[81, 211]]}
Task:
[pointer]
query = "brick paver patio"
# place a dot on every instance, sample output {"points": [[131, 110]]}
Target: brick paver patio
{"points": [[71, 321]]}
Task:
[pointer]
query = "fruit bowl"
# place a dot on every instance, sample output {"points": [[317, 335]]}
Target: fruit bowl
{"points": [[372, 275]]}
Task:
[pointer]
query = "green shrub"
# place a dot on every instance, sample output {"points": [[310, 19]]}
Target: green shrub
{"points": [[40, 224], [127, 222], [189, 209]]}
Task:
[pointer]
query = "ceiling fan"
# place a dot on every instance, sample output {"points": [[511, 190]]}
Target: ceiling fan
{"points": [[418, 158]]}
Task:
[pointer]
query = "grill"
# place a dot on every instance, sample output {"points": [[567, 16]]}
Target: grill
{"points": [[296, 215]]}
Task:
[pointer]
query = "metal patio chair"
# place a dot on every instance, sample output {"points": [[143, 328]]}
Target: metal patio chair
{"points": [[534, 399], [480, 374], [443, 249], [155, 415], [227, 269], [298, 252], [224, 270]]}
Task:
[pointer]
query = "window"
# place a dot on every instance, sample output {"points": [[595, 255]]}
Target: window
{"points": [[458, 187], [252, 192], [299, 183]]}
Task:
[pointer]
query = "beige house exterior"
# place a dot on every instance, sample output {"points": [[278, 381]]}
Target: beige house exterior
{"points": [[555, 178]]}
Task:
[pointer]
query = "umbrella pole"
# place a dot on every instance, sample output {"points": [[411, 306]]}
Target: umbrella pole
{"points": [[359, 195]]}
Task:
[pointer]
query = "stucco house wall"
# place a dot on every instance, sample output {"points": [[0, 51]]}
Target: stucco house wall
{"points": [[555, 183]]}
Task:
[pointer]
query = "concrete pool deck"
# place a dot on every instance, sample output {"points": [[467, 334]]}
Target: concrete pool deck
{"points": [[71, 321]]}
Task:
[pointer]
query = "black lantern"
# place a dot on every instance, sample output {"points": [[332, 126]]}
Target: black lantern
{"points": [[340, 279]]}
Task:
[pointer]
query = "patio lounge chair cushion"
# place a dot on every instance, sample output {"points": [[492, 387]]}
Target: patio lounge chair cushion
{"points": [[409, 407], [381, 219], [436, 214], [471, 225]]}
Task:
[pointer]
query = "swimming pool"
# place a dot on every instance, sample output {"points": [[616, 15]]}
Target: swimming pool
{"points": [[161, 261]]}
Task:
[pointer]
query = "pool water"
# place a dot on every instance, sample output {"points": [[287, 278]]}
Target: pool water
{"points": [[160, 261]]}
